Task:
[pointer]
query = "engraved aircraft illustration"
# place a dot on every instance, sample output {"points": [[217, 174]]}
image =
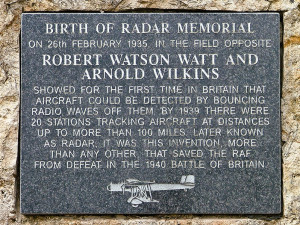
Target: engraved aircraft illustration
{"points": [[141, 191]]}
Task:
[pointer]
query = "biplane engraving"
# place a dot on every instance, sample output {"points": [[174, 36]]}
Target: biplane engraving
{"points": [[141, 191]]}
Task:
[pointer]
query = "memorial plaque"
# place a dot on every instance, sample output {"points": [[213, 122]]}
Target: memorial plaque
{"points": [[150, 113]]}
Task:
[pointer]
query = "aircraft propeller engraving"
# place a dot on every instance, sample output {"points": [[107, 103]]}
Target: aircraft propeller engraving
{"points": [[141, 191]]}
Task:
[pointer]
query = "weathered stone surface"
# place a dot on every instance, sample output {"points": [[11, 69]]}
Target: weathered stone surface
{"points": [[9, 102], [291, 116]]}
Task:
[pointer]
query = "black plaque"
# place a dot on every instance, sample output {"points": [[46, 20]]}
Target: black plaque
{"points": [[150, 113]]}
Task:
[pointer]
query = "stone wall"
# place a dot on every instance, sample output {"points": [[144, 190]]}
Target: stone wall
{"points": [[10, 11]]}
